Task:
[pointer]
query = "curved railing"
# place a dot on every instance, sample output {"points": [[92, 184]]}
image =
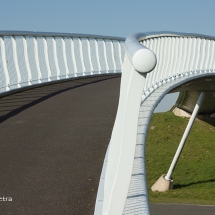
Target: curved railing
{"points": [[31, 58], [136, 52], [178, 54], [155, 64]]}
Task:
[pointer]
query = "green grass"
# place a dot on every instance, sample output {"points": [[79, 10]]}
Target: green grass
{"points": [[194, 175]]}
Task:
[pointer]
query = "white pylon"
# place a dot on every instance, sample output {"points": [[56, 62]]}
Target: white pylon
{"points": [[184, 138]]}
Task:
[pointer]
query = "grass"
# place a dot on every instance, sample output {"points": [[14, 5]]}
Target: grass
{"points": [[194, 175]]}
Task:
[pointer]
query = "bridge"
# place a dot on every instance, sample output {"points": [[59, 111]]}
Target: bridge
{"points": [[154, 64]]}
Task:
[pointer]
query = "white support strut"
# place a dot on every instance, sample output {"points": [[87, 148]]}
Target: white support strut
{"points": [[185, 135], [159, 57]]}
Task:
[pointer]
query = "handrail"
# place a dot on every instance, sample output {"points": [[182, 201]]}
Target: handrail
{"points": [[180, 57], [142, 58], [173, 34], [137, 52], [57, 34], [30, 58]]}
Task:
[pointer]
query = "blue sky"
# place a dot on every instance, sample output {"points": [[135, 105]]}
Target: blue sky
{"points": [[110, 17]]}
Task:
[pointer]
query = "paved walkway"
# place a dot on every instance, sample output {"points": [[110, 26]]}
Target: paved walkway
{"points": [[53, 141]]}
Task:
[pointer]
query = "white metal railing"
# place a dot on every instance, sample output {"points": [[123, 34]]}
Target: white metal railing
{"points": [[155, 63], [30, 58], [152, 61], [117, 169]]}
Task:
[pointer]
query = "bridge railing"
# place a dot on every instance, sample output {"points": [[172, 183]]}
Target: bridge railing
{"points": [[155, 64], [31, 58]]}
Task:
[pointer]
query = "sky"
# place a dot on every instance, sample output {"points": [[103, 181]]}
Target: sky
{"points": [[109, 17]]}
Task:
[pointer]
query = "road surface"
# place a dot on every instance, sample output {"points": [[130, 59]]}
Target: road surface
{"points": [[53, 143]]}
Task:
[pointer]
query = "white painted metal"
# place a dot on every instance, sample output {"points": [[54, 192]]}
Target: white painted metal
{"points": [[25, 55], [179, 59], [122, 189], [61, 58], [93, 56], [89, 56], [47, 61], [55, 58], [52, 66], [120, 158], [117, 55], [38, 75], [185, 135], [109, 54], [4, 74], [143, 59], [21, 63], [112, 56], [146, 110], [29, 58], [105, 57], [98, 56], [72, 55], [16, 61], [10, 62], [81, 56]]}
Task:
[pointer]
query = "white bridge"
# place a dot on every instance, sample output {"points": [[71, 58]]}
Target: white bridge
{"points": [[32, 58], [153, 65]]}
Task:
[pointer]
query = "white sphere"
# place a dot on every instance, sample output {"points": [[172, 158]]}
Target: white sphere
{"points": [[144, 60]]}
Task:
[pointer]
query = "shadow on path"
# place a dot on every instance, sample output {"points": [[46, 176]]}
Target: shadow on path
{"points": [[53, 143], [16, 103]]}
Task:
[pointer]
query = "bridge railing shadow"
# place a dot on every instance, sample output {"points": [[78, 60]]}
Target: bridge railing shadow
{"points": [[18, 102]]}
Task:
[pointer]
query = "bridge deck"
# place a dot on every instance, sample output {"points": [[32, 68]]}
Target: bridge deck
{"points": [[53, 142]]}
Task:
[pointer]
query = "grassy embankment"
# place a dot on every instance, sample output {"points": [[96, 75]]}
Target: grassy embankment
{"points": [[194, 175]]}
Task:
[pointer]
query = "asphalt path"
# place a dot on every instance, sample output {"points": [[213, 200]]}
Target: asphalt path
{"points": [[53, 141], [181, 209]]}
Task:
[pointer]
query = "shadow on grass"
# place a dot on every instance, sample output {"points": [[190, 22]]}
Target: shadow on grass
{"points": [[210, 121], [178, 186]]}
